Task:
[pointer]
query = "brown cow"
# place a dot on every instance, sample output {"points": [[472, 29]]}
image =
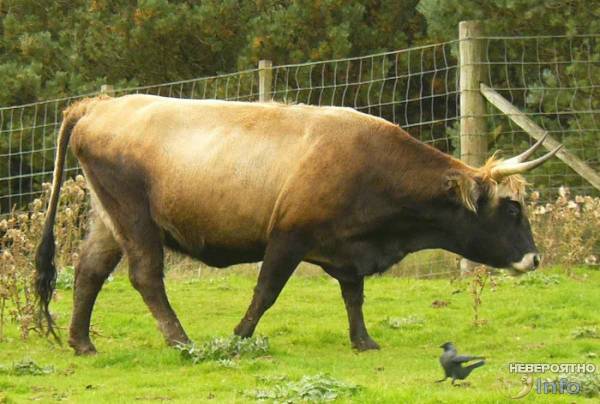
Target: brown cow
{"points": [[234, 182]]}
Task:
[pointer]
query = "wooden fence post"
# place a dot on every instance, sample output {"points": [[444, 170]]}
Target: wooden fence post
{"points": [[473, 136], [265, 80], [107, 89]]}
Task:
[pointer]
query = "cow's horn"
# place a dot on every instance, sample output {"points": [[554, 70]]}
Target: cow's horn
{"points": [[503, 169], [527, 153]]}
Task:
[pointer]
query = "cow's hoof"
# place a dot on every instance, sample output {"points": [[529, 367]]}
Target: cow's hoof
{"points": [[83, 348], [365, 344], [244, 330], [176, 343]]}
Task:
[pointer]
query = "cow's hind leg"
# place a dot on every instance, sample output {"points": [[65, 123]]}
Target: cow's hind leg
{"points": [[353, 295], [145, 257], [100, 254], [284, 253], [122, 196]]}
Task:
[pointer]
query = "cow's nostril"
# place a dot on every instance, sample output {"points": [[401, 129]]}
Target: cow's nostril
{"points": [[536, 261]]}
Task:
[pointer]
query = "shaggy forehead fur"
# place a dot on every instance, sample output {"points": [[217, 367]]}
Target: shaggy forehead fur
{"points": [[513, 186]]}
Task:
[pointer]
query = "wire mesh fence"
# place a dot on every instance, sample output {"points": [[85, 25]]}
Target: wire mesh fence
{"points": [[553, 79], [415, 88], [28, 133]]}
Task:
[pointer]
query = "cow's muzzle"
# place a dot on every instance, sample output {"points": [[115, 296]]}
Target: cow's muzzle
{"points": [[529, 262]]}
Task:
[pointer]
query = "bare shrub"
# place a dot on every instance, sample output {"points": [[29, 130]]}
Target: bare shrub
{"points": [[312, 389], [567, 230], [20, 233], [481, 276]]}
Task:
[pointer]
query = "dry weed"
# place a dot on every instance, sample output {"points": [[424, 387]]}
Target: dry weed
{"points": [[20, 233], [567, 230]]}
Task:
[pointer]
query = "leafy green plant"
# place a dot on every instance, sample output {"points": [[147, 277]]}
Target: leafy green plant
{"points": [[65, 278], [317, 388], [538, 279], [272, 379], [404, 322], [225, 349], [26, 367], [585, 332]]}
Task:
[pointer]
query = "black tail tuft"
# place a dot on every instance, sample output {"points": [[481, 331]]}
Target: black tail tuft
{"points": [[45, 280], [44, 256]]}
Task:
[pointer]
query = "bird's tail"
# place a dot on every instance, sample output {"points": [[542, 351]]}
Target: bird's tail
{"points": [[475, 365]]}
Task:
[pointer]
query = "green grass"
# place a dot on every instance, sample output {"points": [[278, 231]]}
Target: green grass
{"points": [[527, 321]]}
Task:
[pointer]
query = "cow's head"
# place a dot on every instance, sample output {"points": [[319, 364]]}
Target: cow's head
{"points": [[492, 220]]}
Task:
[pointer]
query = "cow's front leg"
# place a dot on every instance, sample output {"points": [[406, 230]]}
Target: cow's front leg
{"points": [[352, 292], [284, 252]]}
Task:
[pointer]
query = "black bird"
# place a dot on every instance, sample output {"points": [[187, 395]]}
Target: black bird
{"points": [[453, 363]]}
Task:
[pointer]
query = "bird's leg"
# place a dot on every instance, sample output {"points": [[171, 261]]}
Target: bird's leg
{"points": [[453, 379], [443, 380]]}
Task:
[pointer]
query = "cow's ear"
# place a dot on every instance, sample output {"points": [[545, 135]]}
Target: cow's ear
{"points": [[463, 188]]}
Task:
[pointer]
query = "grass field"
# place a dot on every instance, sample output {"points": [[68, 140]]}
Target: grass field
{"points": [[528, 320]]}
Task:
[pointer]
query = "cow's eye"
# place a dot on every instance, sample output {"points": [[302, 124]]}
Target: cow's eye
{"points": [[514, 209]]}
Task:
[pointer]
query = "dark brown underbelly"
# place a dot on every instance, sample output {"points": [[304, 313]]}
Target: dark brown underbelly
{"points": [[216, 256]]}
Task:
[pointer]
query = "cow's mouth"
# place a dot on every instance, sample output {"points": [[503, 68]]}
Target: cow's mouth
{"points": [[529, 262]]}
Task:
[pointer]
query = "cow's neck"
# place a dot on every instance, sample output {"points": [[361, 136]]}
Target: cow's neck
{"points": [[431, 226]]}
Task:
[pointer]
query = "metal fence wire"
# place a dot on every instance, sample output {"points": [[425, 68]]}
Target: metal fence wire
{"points": [[552, 79]]}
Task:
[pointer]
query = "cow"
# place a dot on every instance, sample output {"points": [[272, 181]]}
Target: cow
{"points": [[238, 182]]}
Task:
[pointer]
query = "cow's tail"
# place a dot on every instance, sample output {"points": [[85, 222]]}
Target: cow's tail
{"points": [[45, 279]]}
